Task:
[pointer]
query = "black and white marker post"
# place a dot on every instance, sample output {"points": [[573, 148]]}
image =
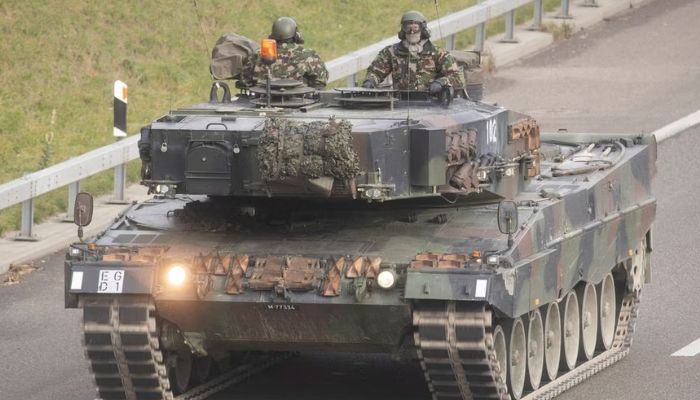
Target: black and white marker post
{"points": [[120, 101]]}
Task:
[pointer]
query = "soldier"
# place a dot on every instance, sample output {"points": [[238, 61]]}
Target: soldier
{"points": [[294, 61], [415, 63]]}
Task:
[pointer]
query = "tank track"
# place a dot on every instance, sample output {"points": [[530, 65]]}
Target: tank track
{"points": [[122, 346], [455, 349]]}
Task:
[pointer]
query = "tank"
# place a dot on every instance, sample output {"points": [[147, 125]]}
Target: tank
{"points": [[452, 232]]}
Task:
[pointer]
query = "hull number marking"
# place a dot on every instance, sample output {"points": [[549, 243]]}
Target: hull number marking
{"points": [[111, 281], [491, 131], [281, 307]]}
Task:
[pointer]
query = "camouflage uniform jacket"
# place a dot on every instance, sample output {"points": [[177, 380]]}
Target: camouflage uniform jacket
{"points": [[415, 73], [294, 61]]}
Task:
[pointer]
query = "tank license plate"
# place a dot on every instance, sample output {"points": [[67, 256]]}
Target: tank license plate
{"points": [[111, 281]]}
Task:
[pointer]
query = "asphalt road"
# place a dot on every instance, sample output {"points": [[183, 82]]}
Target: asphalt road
{"points": [[635, 73]]}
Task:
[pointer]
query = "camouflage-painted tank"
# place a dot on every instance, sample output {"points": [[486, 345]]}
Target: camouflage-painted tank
{"points": [[507, 262]]}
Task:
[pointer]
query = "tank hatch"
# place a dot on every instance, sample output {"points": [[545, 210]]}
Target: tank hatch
{"points": [[353, 97], [286, 93]]}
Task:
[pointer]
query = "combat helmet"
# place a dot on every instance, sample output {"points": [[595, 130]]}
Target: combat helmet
{"points": [[416, 16], [284, 29], [413, 16]]}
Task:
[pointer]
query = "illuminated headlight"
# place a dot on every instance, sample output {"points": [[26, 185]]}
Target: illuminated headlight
{"points": [[482, 175], [373, 193], [176, 275], [492, 260], [74, 252], [386, 279], [162, 189]]}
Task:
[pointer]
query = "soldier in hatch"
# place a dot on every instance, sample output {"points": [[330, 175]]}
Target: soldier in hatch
{"points": [[294, 61], [415, 63]]}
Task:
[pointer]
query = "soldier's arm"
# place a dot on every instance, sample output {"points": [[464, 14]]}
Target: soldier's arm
{"points": [[248, 73], [380, 68], [448, 72], [316, 73]]}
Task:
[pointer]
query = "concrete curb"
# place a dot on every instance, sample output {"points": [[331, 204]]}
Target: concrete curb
{"points": [[530, 42], [55, 235]]}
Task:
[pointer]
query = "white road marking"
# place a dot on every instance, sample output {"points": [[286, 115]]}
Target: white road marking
{"points": [[690, 350], [677, 127]]}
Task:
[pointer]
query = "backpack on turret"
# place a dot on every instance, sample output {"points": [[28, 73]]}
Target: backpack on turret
{"points": [[470, 62], [230, 55]]}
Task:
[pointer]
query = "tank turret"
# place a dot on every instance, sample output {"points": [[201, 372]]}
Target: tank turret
{"points": [[373, 144]]}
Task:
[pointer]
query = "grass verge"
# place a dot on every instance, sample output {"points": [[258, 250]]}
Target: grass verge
{"points": [[59, 61]]}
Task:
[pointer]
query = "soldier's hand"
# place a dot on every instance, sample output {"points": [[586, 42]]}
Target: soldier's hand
{"points": [[435, 87], [368, 84]]}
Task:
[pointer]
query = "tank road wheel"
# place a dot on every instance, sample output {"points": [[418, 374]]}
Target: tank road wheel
{"points": [[608, 306], [517, 356], [552, 340], [589, 319], [180, 370], [535, 349], [499, 345], [570, 331]]}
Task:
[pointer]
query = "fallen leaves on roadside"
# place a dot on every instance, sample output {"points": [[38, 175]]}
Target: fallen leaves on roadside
{"points": [[15, 273]]}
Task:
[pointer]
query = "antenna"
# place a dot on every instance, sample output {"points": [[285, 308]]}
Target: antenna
{"points": [[201, 29], [437, 12], [408, 92]]}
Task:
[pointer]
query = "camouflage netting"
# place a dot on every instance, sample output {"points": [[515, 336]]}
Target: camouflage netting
{"points": [[311, 150]]}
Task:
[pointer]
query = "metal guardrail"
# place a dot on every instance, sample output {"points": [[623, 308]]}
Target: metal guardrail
{"points": [[70, 172], [446, 27]]}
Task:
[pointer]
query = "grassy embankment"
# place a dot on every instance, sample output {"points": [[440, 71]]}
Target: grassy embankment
{"points": [[58, 62]]}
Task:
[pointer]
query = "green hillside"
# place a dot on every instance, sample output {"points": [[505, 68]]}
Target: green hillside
{"points": [[59, 59]]}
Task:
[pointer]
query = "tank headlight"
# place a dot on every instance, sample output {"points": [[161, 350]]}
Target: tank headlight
{"points": [[176, 275], [373, 193], [386, 279], [75, 252], [492, 260]]}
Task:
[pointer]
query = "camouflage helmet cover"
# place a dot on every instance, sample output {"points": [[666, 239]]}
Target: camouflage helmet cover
{"points": [[283, 28]]}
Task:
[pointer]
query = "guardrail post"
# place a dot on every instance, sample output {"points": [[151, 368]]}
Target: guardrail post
{"points": [[591, 3], [510, 28], [564, 12], [73, 190], [450, 42], [480, 37], [537, 16], [351, 80], [119, 185], [27, 222]]}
